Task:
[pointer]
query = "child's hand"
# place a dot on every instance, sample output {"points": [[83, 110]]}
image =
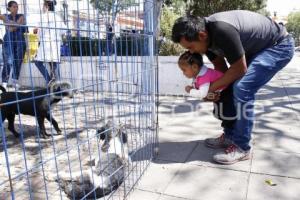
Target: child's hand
{"points": [[212, 96], [188, 88]]}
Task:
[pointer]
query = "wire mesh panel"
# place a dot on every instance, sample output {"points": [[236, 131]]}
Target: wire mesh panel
{"points": [[78, 101]]}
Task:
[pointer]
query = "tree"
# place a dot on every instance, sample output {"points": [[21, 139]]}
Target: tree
{"points": [[111, 8], [178, 6], [293, 25], [168, 17], [264, 12], [207, 7]]}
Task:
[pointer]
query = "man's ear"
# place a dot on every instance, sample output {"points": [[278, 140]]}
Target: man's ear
{"points": [[202, 35], [195, 67]]}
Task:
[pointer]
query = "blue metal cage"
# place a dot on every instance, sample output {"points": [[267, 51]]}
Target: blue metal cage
{"points": [[102, 54]]}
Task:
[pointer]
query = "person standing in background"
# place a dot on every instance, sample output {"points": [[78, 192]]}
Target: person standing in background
{"points": [[109, 38], [14, 45], [51, 28], [1, 43]]}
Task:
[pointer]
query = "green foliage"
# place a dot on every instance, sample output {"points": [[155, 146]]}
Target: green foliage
{"points": [[293, 25], [264, 12], [208, 7], [168, 18], [178, 6], [111, 7], [169, 48]]}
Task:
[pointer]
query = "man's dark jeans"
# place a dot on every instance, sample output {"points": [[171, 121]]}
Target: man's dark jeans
{"points": [[261, 68], [224, 109]]}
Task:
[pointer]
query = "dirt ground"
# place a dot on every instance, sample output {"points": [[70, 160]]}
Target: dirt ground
{"points": [[28, 164]]}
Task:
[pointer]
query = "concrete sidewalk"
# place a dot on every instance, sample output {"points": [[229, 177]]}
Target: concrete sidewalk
{"points": [[184, 168]]}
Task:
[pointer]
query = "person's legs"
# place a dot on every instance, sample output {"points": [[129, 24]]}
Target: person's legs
{"points": [[260, 70], [18, 55], [224, 109], [7, 61], [1, 67], [1, 55], [227, 111], [55, 73], [43, 70]]}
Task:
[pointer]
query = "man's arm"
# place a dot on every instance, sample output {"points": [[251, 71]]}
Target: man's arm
{"points": [[237, 70], [220, 64]]}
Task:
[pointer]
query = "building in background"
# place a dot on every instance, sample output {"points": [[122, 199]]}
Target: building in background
{"points": [[81, 18]]}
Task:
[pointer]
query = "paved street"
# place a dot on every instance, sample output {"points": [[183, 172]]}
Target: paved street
{"points": [[184, 168]]}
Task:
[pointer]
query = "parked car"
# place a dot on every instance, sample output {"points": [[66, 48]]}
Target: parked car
{"points": [[297, 49]]}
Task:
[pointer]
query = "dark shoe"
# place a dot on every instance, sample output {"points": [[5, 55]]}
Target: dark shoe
{"points": [[219, 142]]}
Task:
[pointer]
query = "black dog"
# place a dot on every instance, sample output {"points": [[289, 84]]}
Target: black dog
{"points": [[35, 103]]}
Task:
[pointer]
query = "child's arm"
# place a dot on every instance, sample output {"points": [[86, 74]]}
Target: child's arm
{"points": [[201, 92]]}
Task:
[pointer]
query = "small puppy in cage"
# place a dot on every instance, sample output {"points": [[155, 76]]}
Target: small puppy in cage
{"points": [[114, 141], [108, 172], [34, 103]]}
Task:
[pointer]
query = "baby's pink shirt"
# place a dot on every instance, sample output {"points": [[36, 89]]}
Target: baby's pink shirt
{"points": [[210, 76]]}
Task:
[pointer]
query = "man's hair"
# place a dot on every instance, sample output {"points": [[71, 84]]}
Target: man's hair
{"points": [[191, 58], [187, 27]]}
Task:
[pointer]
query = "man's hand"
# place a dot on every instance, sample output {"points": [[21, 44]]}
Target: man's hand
{"points": [[212, 96], [188, 88]]}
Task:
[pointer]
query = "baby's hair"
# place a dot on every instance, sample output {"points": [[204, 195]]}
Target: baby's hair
{"points": [[191, 58]]}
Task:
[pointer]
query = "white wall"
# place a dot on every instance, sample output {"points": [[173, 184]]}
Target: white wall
{"points": [[128, 73], [171, 79], [83, 71]]}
